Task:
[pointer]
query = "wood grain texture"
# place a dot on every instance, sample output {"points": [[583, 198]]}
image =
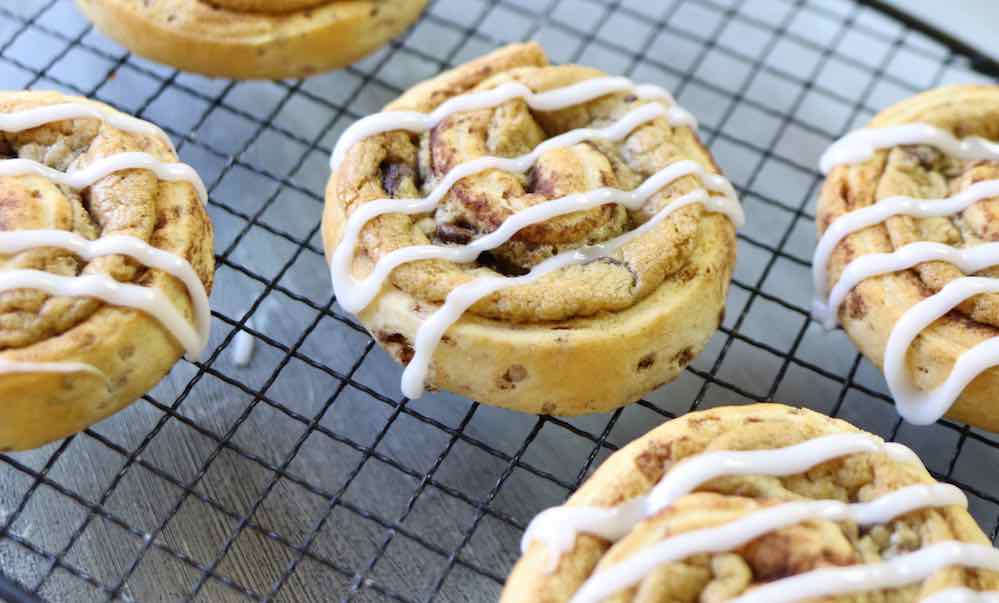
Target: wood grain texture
{"points": [[375, 511]]}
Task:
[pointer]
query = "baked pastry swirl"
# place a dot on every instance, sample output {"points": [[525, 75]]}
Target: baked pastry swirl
{"points": [[544, 238], [908, 209], [253, 39], [757, 504], [105, 263]]}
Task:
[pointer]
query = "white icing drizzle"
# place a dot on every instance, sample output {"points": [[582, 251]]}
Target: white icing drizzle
{"points": [[354, 295], [558, 527], [924, 407], [871, 215], [968, 260], [737, 533], [90, 175], [899, 571], [18, 121], [787, 461], [10, 367], [861, 145], [915, 405], [551, 100], [150, 301], [242, 347], [962, 595], [464, 296], [116, 244]]}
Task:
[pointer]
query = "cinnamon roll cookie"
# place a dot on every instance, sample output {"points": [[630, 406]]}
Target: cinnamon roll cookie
{"points": [[549, 239], [909, 249], [105, 263], [252, 39], [757, 504]]}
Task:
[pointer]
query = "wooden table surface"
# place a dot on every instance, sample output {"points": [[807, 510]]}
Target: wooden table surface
{"points": [[242, 470]]}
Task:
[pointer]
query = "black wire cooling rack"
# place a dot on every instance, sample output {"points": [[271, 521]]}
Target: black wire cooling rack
{"points": [[305, 476]]}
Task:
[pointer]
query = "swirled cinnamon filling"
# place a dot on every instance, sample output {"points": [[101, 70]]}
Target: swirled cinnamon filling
{"points": [[403, 165], [127, 202], [924, 172]]}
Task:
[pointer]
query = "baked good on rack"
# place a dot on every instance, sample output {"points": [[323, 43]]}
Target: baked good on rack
{"points": [[757, 504], [105, 263], [908, 257], [545, 238], [253, 39]]}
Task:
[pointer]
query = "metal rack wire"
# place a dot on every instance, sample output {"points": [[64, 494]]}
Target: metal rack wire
{"points": [[306, 476]]}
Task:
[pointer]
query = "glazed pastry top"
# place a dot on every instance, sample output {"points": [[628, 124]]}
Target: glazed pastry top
{"points": [[924, 171], [71, 208], [402, 165], [908, 231], [758, 525]]}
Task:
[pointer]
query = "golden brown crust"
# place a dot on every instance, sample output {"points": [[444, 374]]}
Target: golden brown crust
{"points": [[253, 39], [634, 469], [130, 348], [586, 338], [267, 6], [872, 309]]}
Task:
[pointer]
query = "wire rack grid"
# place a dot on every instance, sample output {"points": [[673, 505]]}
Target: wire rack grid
{"points": [[306, 476]]}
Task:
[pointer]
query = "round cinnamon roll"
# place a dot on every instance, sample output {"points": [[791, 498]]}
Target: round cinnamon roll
{"points": [[762, 503], [545, 238], [253, 39], [909, 251], [105, 263]]}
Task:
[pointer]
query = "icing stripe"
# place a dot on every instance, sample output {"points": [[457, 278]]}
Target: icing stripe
{"points": [[968, 260], [735, 534], [871, 215], [90, 175], [924, 407], [900, 571], [354, 295], [558, 527], [12, 367], [463, 297], [137, 249], [962, 595], [861, 145], [551, 100], [18, 121], [243, 345], [783, 461], [150, 301]]}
